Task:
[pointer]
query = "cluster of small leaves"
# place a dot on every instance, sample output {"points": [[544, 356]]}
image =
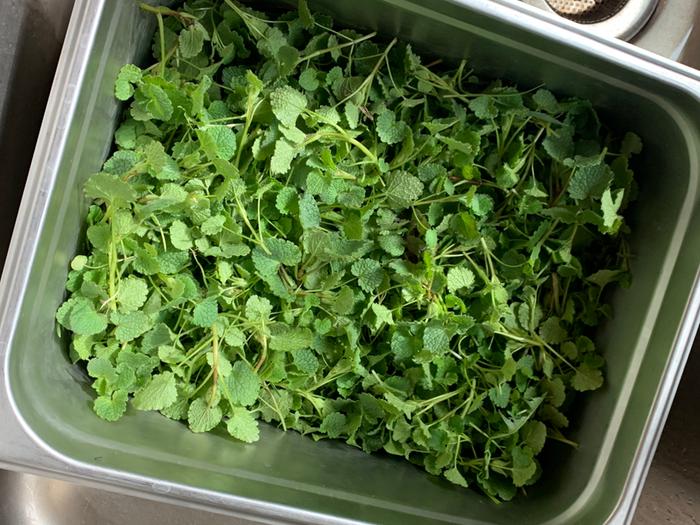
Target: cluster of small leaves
{"points": [[307, 226]]}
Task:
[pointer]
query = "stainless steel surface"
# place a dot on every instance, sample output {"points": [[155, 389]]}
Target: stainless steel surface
{"points": [[80, 504], [671, 493], [674, 31], [31, 35], [33, 500], [612, 18]]}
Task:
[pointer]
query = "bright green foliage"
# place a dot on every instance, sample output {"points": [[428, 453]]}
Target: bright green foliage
{"points": [[79, 316], [204, 313], [191, 40], [129, 75], [334, 424], [132, 293], [242, 385], [313, 229], [218, 142], [309, 214], [111, 407], [389, 130], [287, 104], [160, 392], [458, 278], [242, 425], [202, 415]]}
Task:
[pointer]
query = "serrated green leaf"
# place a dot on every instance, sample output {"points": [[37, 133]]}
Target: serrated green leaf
{"points": [[203, 416], [459, 278], [524, 466], [213, 225], [154, 101], [159, 164], [334, 425], [131, 325], [78, 315], [242, 385], [283, 156], [552, 331], [590, 181], [403, 189], [205, 313], [132, 294], [435, 339], [388, 129], [242, 425], [111, 407], [290, 339], [309, 214], [344, 301], [631, 144], [159, 393], [352, 114], [559, 143], [305, 360], [500, 395], [180, 236], [217, 141], [369, 273], [455, 476], [129, 75], [120, 162], [125, 135], [481, 205], [383, 314], [484, 107], [534, 434], [392, 244], [546, 101], [286, 201], [101, 368], [287, 104], [284, 251], [191, 40], [308, 80], [610, 207], [258, 308], [305, 15], [587, 378], [109, 188]]}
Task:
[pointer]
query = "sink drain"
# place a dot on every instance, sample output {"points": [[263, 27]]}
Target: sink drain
{"points": [[587, 11]]}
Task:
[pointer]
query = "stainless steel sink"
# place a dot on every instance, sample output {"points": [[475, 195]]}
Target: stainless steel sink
{"points": [[31, 33], [34, 500]]}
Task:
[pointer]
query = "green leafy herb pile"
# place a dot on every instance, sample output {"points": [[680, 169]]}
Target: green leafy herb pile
{"points": [[306, 225]]}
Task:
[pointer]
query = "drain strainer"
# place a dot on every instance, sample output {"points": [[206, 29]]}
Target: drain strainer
{"points": [[587, 11]]}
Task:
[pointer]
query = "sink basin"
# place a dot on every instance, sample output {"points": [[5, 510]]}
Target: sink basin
{"points": [[31, 36], [31, 33], [28, 499]]}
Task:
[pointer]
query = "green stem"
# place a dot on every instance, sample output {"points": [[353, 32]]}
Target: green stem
{"points": [[112, 268], [161, 10], [244, 216], [367, 82], [204, 382], [334, 48], [344, 137], [215, 362], [161, 33], [263, 353], [276, 408]]}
